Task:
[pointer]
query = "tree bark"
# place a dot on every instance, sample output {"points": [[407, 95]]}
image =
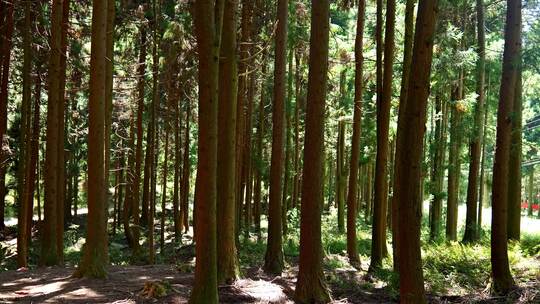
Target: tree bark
{"points": [[273, 261], [227, 260], [208, 16], [408, 169], [384, 96], [471, 220], [500, 268], [514, 174], [352, 199], [311, 286], [95, 254]]}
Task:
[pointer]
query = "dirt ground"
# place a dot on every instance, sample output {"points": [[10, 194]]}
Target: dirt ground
{"points": [[126, 284]]}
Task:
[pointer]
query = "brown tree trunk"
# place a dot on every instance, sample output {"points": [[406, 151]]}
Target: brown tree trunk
{"points": [[407, 59], [471, 221], [500, 268], [352, 199], [227, 260], [25, 197], [437, 176], [50, 238], [340, 177], [208, 16], [408, 169], [95, 256], [311, 286], [514, 174], [454, 166], [530, 192], [109, 70], [273, 261], [164, 189], [384, 95], [5, 56], [186, 167], [259, 161]]}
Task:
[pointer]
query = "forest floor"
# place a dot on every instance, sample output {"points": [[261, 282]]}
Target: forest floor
{"points": [[453, 272]]}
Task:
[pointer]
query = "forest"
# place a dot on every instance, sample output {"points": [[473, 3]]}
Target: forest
{"points": [[269, 151]]}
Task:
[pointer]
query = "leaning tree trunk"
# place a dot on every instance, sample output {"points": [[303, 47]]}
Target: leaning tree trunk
{"points": [[408, 169], [311, 286], [95, 256], [500, 268]]}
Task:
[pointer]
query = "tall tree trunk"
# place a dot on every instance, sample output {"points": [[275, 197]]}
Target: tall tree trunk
{"points": [[186, 167], [227, 260], [141, 71], [437, 176], [311, 286], [454, 167], [208, 16], [384, 96], [408, 169], [25, 198], [164, 189], [514, 174], [500, 268], [49, 249], [407, 60], [340, 177], [246, 24], [273, 261], [259, 161], [109, 70], [352, 199], [530, 192], [5, 56], [483, 178], [471, 224], [95, 256]]}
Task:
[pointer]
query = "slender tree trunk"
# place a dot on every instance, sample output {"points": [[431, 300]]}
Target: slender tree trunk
{"points": [[49, 249], [164, 190], [483, 178], [384, 95], [227, 260], [109, 70], [141, 70], [259, 165], [407, 59], [25, 198], [514, 174], [500, 268], [273, 261], [438, 167], [95, 256], [311, 286], [530, 192], [340, 177], [471, 224], [186, 167], [454, 167], [408, 169], [352, 199], [5, 58], [208, 16]]}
